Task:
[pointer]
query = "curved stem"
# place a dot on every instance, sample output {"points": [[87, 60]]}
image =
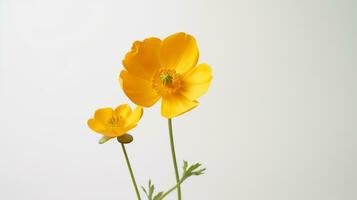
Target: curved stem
{"points": [[174, 159], [131, 171]]}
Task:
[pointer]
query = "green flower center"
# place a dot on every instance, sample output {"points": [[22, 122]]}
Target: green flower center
{"points": [[166, 79]]}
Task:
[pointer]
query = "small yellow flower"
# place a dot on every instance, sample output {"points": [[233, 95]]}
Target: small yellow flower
{"points": [[115, 123], [165, 69]]}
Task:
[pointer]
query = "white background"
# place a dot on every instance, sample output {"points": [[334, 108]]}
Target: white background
{"points": [[279, 121]]}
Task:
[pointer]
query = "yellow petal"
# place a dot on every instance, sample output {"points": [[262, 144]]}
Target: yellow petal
{"points": [[197, 81], [103, 114], [135, 116], [138, 90], [122, 131], [98, 126], [121, 81], [143, 59], [180, 52], [175, 105], [123, 110]]}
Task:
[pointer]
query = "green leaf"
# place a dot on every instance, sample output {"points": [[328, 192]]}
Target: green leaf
{"points": [[199, 172], [149, 192], [193, 167], [146, 193], [158, 196], [151, 189], [185, 165], [188, 171]]}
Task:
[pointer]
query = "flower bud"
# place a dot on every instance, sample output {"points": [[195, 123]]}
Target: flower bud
{"points": [[125, 139]]}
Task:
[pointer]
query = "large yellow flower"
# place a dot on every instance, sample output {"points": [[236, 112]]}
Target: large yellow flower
{"points": [[115, 123], [165, 69]]}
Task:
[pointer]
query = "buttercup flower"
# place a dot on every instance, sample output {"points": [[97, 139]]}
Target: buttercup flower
{"points": [[165, 69], [115, 123]]}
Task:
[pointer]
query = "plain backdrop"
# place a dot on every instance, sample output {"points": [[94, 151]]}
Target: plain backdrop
{"points": [[278, 122]]}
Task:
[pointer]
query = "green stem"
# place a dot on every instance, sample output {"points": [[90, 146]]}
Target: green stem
{"points": [[131, 171], [172, 189], [174, 160]]}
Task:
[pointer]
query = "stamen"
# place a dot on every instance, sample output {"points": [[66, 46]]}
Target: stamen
{"points": [[166, 81], [116, 121]]}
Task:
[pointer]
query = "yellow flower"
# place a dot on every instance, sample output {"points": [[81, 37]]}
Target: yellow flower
{"points": [[165, 69], [115, 123]]}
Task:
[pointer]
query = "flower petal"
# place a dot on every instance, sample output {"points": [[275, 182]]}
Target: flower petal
{"points": [[143, 59], [175, 105], [135, 116], [197, 81], [138, 90], [98, 126], [180, 52], [123, 110], [123, 130], [103, 114]]}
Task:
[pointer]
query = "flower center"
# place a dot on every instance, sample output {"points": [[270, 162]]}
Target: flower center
{"points": [[166, 81], [116, 121]]}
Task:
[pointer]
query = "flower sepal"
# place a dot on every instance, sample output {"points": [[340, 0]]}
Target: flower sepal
{"points": [[125, 139], [104, 139]]}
